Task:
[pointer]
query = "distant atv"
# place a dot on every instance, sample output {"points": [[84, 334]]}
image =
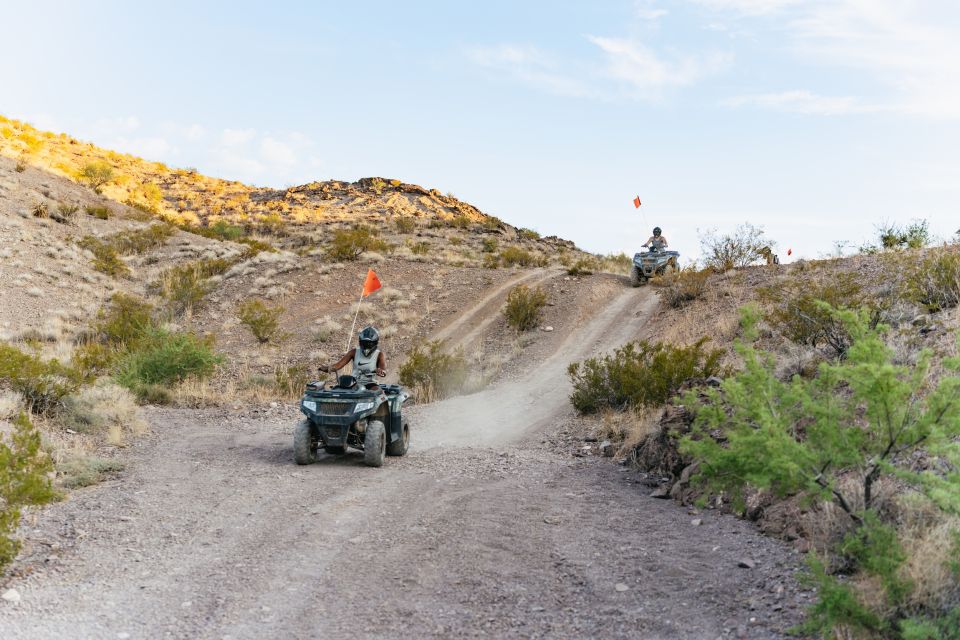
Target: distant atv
{"points": [[655, 262], [345, 414]]}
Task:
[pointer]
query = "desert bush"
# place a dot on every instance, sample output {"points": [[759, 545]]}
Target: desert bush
{"points": [[101, 407], [405, 224], [124, 321], [185, 286], [100, 213], [524, 307], [582, 267], [165, 358], [731, 251], [67, 211], [433, 373], [515, 256], [489, 245], [24, 481], [262, 319], [86, 471], [491, 261], [419, 248], [934, 281], [460, 221], [640, 374], [43, 384], [96, 175], [913, 236], [528, 234], [32, 142], [289, 382], [349, 244], [21, 166], [105, 257], [802, 309], [223, 230], [682, 287], [140, 240], [40, 210], [864, 417]]}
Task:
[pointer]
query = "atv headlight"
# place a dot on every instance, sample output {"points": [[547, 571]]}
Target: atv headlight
{"points": [[310, 404], [363, 406]]}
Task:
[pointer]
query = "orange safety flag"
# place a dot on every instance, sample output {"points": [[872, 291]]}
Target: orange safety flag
{"points": [[636, 202], [789, 252], [371, 284]]}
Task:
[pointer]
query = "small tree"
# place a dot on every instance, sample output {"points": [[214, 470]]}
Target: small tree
{"points": [[24, 482], [96, 175], [731, 251], [261, 318]]}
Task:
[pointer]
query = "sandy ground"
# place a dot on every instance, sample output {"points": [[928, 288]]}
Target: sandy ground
{"points": [[483, 530]]}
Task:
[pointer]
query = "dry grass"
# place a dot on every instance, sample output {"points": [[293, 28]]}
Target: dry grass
{"points": [[105, 408], [626, 429]]}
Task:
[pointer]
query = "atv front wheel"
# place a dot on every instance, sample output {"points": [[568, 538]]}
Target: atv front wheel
{"points": [[636, 278], [304, 444], [399, 448], [374, 444]]}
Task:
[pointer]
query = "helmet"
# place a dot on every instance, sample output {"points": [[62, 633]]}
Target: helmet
{"points": [[657, 231], [369, 339]]}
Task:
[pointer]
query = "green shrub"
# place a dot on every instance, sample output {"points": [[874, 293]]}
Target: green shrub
{"points": [[802, 309], [434, 374], [100, 213], [732, 251], [640, 374], [460, 221], [166, 358], [43, 385], [24, 482], [105, 257], [261, 318], [124, 321], [515, 256], [491, 261], [582, 267], [524, 307], [864, 417], [405, 224], [184, 287], [349, 244], [67, 211], [87, 471], [97, 175], [419, 248], [914, 236], [934, 281], [289, 382], [140, 240], [682, 287], [489, 245], [223, 230], [528, 234]]}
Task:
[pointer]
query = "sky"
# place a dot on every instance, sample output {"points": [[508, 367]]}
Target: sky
{"points": [[817, 119]]}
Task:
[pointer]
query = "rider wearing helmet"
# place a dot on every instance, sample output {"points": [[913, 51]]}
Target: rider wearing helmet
{"points": [[368, 360], [657, 241]]}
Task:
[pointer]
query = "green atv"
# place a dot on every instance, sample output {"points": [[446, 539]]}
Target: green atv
{"points": [[348, 415]]}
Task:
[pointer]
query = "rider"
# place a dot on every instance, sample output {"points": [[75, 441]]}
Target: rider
{"points": [[368, 360], [656, 241]]}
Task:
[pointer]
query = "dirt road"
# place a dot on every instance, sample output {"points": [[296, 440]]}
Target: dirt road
{"points": [[481, 531]]}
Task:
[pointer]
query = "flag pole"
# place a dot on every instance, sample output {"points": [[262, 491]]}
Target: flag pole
{"points": [[355, 316]]}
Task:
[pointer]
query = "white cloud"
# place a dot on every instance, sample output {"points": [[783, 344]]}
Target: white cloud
{"points": [[530, 66], [748, 7], [638, 65], [801, 102], [277, 152], [235, 137]]}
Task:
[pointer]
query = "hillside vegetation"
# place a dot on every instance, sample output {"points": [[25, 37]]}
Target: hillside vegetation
{"points": [[820, 399]]}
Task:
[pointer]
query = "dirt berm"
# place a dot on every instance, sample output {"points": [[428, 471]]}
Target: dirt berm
{"points": [[483, 530]]}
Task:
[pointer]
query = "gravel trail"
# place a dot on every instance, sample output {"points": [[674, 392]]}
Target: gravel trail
{"points": [[483, 530]]}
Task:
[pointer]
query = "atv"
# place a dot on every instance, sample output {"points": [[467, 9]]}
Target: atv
{"points": [[655, 262], [346, 414]]}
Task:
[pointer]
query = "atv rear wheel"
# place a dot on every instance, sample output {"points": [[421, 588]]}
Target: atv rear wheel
{"points": [[304, 443], [636, 278], [399, 448], [374, 444], [335, 449]]}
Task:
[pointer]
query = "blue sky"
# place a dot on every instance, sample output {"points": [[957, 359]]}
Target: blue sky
{"points": [[816, 119]]}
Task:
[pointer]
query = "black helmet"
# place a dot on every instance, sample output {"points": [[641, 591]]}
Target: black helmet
{"points": [[657, 231], [369, 339]]}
